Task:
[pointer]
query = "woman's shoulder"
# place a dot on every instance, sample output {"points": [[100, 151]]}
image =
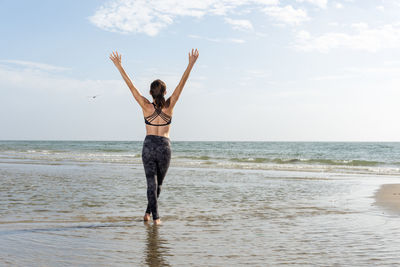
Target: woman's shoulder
{"points": [[147, 106], [168, 107]]}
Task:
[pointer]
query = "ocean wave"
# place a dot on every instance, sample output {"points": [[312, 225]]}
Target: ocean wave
{"points": [[116, 154], [310, 161], [218, 159], [178, 162], [379, 170], [111, 150], [194, 157]]}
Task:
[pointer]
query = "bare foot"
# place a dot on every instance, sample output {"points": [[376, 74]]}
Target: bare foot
{"points": [[146, 217], [157, 222]]}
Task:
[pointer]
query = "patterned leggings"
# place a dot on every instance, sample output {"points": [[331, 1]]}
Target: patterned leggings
{"points": [[156, 155]]}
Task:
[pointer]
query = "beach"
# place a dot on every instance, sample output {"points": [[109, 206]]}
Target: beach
{"points": [[82, 204]]}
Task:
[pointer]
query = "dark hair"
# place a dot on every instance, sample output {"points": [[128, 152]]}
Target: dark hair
{"points": [[157, 90]]}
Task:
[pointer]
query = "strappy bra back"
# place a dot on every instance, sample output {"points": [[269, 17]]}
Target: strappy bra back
{"points": [[157, 112]]}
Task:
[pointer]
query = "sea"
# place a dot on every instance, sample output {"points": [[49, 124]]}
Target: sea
{"points": [[81, 203]]}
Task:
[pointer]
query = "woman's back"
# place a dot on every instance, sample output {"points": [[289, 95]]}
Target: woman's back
{"points": [[158, 121]]}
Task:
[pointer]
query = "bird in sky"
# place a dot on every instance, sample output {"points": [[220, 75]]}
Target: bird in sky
{"points": [[93, 97]]}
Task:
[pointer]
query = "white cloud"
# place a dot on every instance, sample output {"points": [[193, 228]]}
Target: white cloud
{"points": [[361, 26], [45, 80], [385, 70], [240, 24], [258, 73], [330, 77], [319, 3], [33, 65], [338, 5], [150, 17], [303, 35], [217, 40], [364, 39], [253, 77], [391, 62], [132, 16], [287, 14], [389, 70], [42, 80], [266, 2], [236, 40]]}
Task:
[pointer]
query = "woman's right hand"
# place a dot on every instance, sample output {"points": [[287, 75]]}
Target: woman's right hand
{"points": [[193, 56], [116, 58]]}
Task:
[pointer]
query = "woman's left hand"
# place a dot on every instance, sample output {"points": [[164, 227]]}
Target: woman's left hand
{"points": [[116, 58]]}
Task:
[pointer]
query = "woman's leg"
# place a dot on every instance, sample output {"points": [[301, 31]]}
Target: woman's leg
{"points": [[161, 173], [163, 160], [150, 168], [156, 156]]}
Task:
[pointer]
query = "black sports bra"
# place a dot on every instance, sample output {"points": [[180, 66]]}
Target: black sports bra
{"points": [[158, 112]]}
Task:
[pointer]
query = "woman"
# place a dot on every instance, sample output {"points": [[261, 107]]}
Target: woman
{"points": [[156, 152]]}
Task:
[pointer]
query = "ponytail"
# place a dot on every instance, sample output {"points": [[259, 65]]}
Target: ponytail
{"points": [[157, 90], [160, 101]]}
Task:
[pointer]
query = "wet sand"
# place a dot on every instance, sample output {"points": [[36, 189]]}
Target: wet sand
{"points": [[90, 214], [388, 196]]}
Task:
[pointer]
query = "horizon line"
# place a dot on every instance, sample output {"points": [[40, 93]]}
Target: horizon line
{"points": [[288, 141]]}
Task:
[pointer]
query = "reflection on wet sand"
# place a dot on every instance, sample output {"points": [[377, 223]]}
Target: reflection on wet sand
{"points": [[156, 247]]}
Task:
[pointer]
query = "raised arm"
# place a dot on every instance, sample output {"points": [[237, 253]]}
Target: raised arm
{"points": [[116, 59], [178, 90]]}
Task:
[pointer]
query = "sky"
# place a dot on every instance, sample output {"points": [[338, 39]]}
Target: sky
{"points": [[268, 70]]}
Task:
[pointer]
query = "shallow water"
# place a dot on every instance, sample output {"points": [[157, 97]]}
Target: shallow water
{"points": [[90, 214]]}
